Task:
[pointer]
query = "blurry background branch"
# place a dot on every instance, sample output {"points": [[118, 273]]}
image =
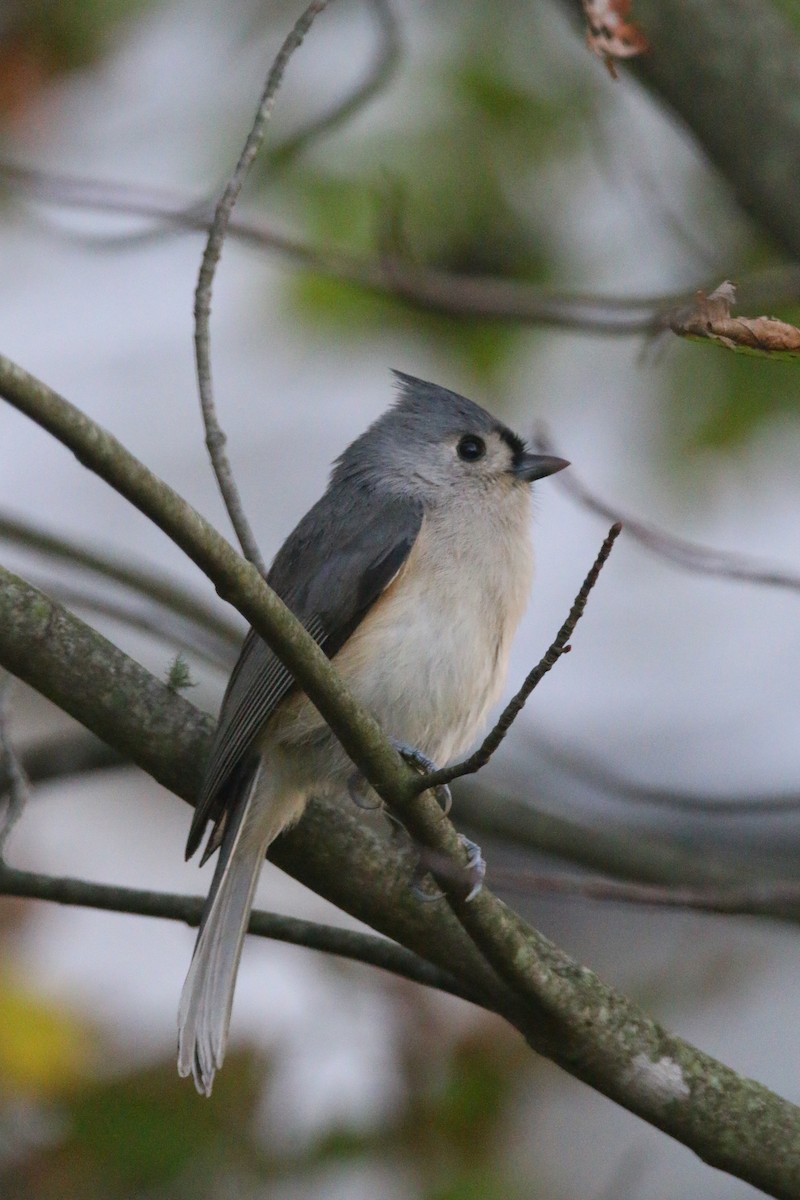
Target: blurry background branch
{"points": [[705, 560], [731, 71], [421, 286]]}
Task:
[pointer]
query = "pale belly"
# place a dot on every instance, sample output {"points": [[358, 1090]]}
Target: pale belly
{"points": [[430, 657], [435, 675]]}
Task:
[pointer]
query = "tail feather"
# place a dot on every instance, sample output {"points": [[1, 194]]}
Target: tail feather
{"points": [[207, 997]]}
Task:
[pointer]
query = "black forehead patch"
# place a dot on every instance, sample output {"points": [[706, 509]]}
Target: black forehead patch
{"points": [[514, 442]]}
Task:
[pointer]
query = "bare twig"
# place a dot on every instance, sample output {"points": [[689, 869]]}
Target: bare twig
{"points": [[345, 943], [428, 288], [704, 560], [15, 784], [378, 77], [215, 438], [515, 706]]}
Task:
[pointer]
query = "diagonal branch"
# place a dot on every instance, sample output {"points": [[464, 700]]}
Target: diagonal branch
{"points": [[236, 581], [567, 1013]]}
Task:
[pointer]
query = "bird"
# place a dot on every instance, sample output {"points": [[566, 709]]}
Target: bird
{"points": [[412, 572]]}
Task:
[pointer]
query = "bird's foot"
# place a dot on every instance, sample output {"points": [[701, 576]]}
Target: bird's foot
{"points": [[415, 758], [469, 875]]}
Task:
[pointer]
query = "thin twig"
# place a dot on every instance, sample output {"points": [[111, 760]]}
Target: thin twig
{"points": [[427, 288], [13, 780], [515, 706], [345, 943], [704, 560], [378, 76], [215, 438]]}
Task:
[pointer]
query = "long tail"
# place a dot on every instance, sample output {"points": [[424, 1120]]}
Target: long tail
{"points": [[205, 1008]]}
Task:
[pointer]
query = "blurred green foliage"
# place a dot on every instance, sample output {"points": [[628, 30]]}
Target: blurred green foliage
{"points": [[145, 1133], [439, 183], [65, 34]]}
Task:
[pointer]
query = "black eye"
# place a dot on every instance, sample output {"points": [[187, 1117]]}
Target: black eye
{"points": [[471, 448]]}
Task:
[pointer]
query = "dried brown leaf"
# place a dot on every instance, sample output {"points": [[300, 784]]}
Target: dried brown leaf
{"points": [[610, 34], [709, 319]]}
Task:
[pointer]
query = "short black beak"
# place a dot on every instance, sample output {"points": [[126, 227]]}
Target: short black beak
{"points": [[536, 466]]}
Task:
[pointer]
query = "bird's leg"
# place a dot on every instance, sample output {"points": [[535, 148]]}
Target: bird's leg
{"points": [[474, 871]]}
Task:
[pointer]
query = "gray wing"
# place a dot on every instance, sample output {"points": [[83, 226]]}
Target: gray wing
{"points": [[330, 571]]}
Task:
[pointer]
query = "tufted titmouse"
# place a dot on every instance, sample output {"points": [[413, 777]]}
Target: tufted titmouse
{"points": [[412, 572]]}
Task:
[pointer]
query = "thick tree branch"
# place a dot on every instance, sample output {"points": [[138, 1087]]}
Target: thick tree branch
{"points": [[732, 1123], [732, 72], [563, 1009], [159, 730], [502, 815]]}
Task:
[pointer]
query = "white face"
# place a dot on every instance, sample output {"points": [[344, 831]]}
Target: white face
{"points": [[472, 462]]}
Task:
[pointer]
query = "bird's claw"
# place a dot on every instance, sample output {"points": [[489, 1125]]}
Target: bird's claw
{"points": [[476, 866], [415, 758], [358, 790], [460, 877], [418, 888]]}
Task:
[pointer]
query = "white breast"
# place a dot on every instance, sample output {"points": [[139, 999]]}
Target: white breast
{"points": [[431, 656]]}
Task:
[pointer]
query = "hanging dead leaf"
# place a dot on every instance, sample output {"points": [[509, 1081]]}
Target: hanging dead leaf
{"points": [[610, 34], [709, 319]]}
